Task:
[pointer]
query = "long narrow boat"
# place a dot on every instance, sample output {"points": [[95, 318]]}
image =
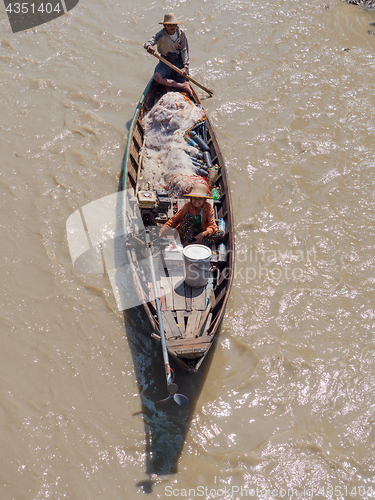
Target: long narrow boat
{"points": [[191, 314]]}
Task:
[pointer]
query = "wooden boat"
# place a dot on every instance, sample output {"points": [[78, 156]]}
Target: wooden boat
{"points": [[183, 308]]}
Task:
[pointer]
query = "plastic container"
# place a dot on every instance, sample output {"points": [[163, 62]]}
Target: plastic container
{"points": [[221, 225], [215, 194], [222, 253], [214, 174], [197, 265]]}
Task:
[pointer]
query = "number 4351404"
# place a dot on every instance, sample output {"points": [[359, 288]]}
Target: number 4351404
{"points": [[349, 491], [25, 8]]}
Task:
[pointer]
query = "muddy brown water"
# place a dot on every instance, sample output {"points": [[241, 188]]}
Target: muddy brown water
{"points": [[286, 401]]}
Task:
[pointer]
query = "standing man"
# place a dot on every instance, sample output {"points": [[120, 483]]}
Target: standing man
{"points": [[172, 44]]}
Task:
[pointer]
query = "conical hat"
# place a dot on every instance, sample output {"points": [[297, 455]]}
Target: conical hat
{"points": [[199, 191]]}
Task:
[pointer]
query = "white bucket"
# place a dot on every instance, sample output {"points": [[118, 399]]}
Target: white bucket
{"points": [[197, 264]]}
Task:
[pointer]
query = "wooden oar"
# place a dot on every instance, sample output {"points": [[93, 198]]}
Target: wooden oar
{"points": [[172, 388], [209, 92]]}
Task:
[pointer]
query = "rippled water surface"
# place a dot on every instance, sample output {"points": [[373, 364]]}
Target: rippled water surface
{"points": [[286, 401]]}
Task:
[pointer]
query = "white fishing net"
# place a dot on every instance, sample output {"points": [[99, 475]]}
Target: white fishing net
{"points": [[166, 163]]}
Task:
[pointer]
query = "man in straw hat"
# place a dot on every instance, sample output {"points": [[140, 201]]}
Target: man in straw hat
{"points": [[195, 221], [172, 44]]}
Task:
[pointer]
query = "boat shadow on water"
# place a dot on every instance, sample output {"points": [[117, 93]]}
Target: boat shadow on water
{"points": [[166, 426]]}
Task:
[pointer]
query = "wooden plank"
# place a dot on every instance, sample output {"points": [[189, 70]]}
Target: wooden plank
{"points": [[178, 285], [196, 353], [134, 153], [158, 287], [192, 350], [223, 277], [132, 171], [166, 285], [188, 297], [174, 343], [162, 304], [193, 323], [161, 299], [220, 297], [223, 202], [198, 298], [172, 324], [137, 134], [181, 321], [167, 329], [208, 323]]}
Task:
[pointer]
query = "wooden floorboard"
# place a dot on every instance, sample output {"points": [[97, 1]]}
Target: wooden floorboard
{"points": [[167, 329], [172, 324], [188, 297], [166, 286], [192, 351], [178, 284], [174, 343], [207, 326], [193, 323], [198, 298], [181, 321]]}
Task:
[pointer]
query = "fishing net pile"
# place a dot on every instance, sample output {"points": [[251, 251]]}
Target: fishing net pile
{"points": [[166, 163]]}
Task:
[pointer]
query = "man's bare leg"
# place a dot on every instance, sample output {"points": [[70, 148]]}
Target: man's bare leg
{"points": [[172, 83]]}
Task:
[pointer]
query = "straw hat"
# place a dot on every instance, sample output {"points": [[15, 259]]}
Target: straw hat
{"points": [[170, 19], [199, 191]]}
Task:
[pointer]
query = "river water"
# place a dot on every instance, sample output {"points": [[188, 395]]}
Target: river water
{"points": [[284, 406]]}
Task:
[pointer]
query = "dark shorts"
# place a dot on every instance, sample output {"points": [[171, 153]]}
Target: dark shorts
{"points": [[167, 72]]}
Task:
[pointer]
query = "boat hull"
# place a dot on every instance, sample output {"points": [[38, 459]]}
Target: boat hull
{"points": [[183, 307]]}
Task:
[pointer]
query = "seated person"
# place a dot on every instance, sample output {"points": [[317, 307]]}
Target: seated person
{"points": [[172, 44], [195, 221]]}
